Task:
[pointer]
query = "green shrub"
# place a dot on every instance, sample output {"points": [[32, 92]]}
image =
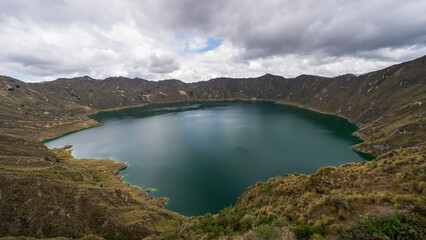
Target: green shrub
{"points": [[303, 232], [267, 220], [266, 190], [318, 228], [227, 222], [393, 226], [266, 232]]}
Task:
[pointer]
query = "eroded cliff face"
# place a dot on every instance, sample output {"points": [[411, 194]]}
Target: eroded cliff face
{"points": [[388, 105]]}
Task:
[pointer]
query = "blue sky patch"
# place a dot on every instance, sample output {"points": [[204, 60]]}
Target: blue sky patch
{"points": [[211, 44]]}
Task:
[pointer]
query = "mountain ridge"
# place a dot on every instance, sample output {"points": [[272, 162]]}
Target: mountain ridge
{"points": [[37, 185], [363, 100]]}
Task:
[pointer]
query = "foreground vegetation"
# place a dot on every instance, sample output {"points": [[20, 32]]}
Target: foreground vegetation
{"points": [[381, 199], [48, 193]]}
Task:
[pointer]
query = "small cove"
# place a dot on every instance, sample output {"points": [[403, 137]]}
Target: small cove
{"points": [[202, 156]]}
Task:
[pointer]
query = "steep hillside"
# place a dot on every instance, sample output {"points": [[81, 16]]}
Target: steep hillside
{"points": [[389, 190], [388, 105], [29, 110], [47, 193]]}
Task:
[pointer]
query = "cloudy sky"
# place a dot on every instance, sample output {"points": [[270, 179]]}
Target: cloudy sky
{"points": [[195, 40]]}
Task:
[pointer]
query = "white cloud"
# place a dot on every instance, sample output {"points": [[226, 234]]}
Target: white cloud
{"points": [[162, 64], [43, 40]]}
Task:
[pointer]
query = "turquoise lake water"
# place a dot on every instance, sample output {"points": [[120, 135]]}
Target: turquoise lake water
{"points": [[202, 156]]}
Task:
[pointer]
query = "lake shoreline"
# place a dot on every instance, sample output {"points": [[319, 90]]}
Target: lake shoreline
{"points": [[195, 102], [356, 133]]}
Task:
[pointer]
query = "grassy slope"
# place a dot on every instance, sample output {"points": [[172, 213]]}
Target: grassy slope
{"points": [[325, 203], [389, 105], [49, 193]]}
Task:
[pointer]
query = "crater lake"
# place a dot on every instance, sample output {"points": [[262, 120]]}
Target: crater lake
{"points": [[202, 156]]}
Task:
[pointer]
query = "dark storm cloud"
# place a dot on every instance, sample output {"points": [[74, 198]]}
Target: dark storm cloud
{"points": [[266, 28]]}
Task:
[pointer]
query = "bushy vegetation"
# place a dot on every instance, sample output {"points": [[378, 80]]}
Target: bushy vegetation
{"points": [[393, 226], [47, 193], [227, 222], [72, 197], [267, 232], [321, 205]]}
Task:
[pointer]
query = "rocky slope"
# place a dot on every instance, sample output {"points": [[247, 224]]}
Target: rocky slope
{"points": [[48, 193]]}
